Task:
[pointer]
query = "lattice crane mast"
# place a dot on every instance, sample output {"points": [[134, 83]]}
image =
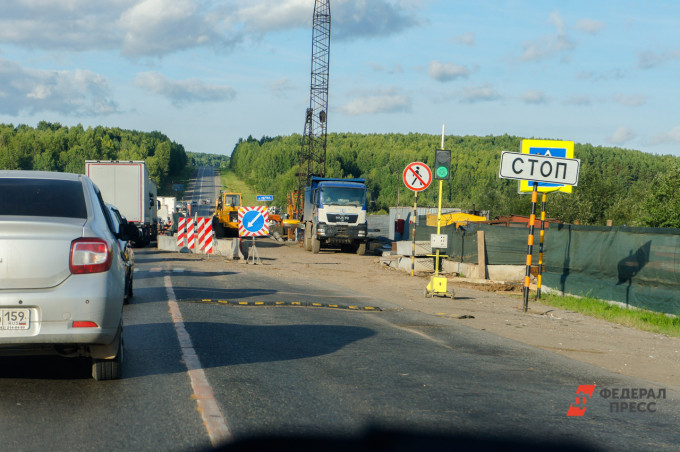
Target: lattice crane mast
{"points": [[312, 157]]}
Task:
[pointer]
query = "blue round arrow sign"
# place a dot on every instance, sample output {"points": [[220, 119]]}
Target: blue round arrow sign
{"points": [[253, 221]]}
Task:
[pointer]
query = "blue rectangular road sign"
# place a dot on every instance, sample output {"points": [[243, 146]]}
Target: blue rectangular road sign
{"points": [[264, 197]]}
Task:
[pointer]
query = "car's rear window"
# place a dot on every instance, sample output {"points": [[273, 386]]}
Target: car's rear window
{"points": [[42, 197]]}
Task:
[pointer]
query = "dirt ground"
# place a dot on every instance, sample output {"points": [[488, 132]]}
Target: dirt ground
{"points": [[489, 307]]}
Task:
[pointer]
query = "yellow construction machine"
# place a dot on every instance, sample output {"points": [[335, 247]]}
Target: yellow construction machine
{"points": [[225, 220]]}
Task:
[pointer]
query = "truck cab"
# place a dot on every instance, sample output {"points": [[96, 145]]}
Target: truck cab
{"points": [[335, 214]]}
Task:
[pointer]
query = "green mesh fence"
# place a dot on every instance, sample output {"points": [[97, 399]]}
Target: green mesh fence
{"points": [[636, 266]]}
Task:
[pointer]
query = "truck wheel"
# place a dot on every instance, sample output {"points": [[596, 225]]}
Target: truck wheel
{"points": [[361, 248], [316, 245]]}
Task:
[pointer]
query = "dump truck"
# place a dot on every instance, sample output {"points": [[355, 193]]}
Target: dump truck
{"points": [[127, 185], [335, 214], [225, 219]]}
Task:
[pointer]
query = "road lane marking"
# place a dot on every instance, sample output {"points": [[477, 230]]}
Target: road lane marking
{"points": [[302, 304], [206, 404]]}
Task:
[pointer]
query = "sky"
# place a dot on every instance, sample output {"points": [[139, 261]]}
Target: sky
{"points": [[208, 72]]}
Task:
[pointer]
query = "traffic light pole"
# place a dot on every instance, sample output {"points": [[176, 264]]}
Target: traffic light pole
{"points": [[437, 285]]}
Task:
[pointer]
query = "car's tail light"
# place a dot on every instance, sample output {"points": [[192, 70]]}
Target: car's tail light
{"points": [[90, 255], [84, 324]]}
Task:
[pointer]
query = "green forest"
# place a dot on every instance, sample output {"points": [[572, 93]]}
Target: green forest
{"points": [[53, 147], [628, 187]]}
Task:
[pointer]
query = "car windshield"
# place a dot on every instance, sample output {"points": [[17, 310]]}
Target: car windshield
{"points": [[343, 196], [42, 197]]}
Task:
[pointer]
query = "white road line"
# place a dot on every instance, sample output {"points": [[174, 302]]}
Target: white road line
{"points": [[213, 419]]}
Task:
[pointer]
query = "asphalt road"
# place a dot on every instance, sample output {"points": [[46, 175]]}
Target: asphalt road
{"points": [[202, 191], [273, 357]]}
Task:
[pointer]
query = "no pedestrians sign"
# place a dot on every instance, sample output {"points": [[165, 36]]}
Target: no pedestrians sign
{"points": [[417, 176]]}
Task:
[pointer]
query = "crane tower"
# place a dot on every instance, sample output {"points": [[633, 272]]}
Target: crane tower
{"points": [[312, 158]]}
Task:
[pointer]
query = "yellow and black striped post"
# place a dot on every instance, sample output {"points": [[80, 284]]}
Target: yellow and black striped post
{"points": [[532, 220], [413, 239], [540, 248]]}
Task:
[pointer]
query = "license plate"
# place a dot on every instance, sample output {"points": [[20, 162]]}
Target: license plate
{"points": [[14, 319]]}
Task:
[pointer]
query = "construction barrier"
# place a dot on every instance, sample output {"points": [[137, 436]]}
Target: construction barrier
{"points": [[181, 232], [205, 234], [191, 235]]}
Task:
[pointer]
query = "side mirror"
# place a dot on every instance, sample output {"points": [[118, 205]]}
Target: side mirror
{"points": [[128, 232]]}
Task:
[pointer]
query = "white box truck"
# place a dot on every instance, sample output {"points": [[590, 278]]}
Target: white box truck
{"points": [[167, 214], [126, 185]]}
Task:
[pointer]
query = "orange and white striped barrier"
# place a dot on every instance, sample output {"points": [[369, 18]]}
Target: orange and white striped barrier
{"points": [[181, 234], [191, 234], [205, 236]]}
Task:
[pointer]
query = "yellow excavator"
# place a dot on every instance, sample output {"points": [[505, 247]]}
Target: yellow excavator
{"points": [[225, 220]]}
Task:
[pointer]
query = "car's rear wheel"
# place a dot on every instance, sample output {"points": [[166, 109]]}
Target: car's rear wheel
{"points": [[128, 291], [109, 369]]}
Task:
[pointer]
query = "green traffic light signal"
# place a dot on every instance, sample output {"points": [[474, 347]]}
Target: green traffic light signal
{"points": [[442, 164]]}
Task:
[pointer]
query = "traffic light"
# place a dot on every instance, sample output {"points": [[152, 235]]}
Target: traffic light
{"points": [[442, 164]]}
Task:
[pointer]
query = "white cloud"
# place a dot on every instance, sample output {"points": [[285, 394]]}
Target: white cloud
{"points": [[649, 59], [350, 18], [534, 97], [590, 26], [358, 18], [466, 39], [281, 86], [386, 101], [271, 15], [672, 136], [579, 100], [548, 46], [445, 72], [78, 92], [72, 25], [181, 92], [621, 136], [138, 28], [633, 100], [157, 27], [611, 74], [377, 67], [483, 93]]}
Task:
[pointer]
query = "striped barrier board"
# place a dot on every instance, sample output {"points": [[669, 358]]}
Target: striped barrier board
{"points": [[181, 234], [191, 235], [205, 236]]}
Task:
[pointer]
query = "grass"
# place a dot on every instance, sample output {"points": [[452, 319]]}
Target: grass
{"points": [[232, 183], [643, 320]]}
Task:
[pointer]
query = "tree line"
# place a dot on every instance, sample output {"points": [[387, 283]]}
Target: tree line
{"points": [[54, 147], [197, 159], [626, 186]]}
